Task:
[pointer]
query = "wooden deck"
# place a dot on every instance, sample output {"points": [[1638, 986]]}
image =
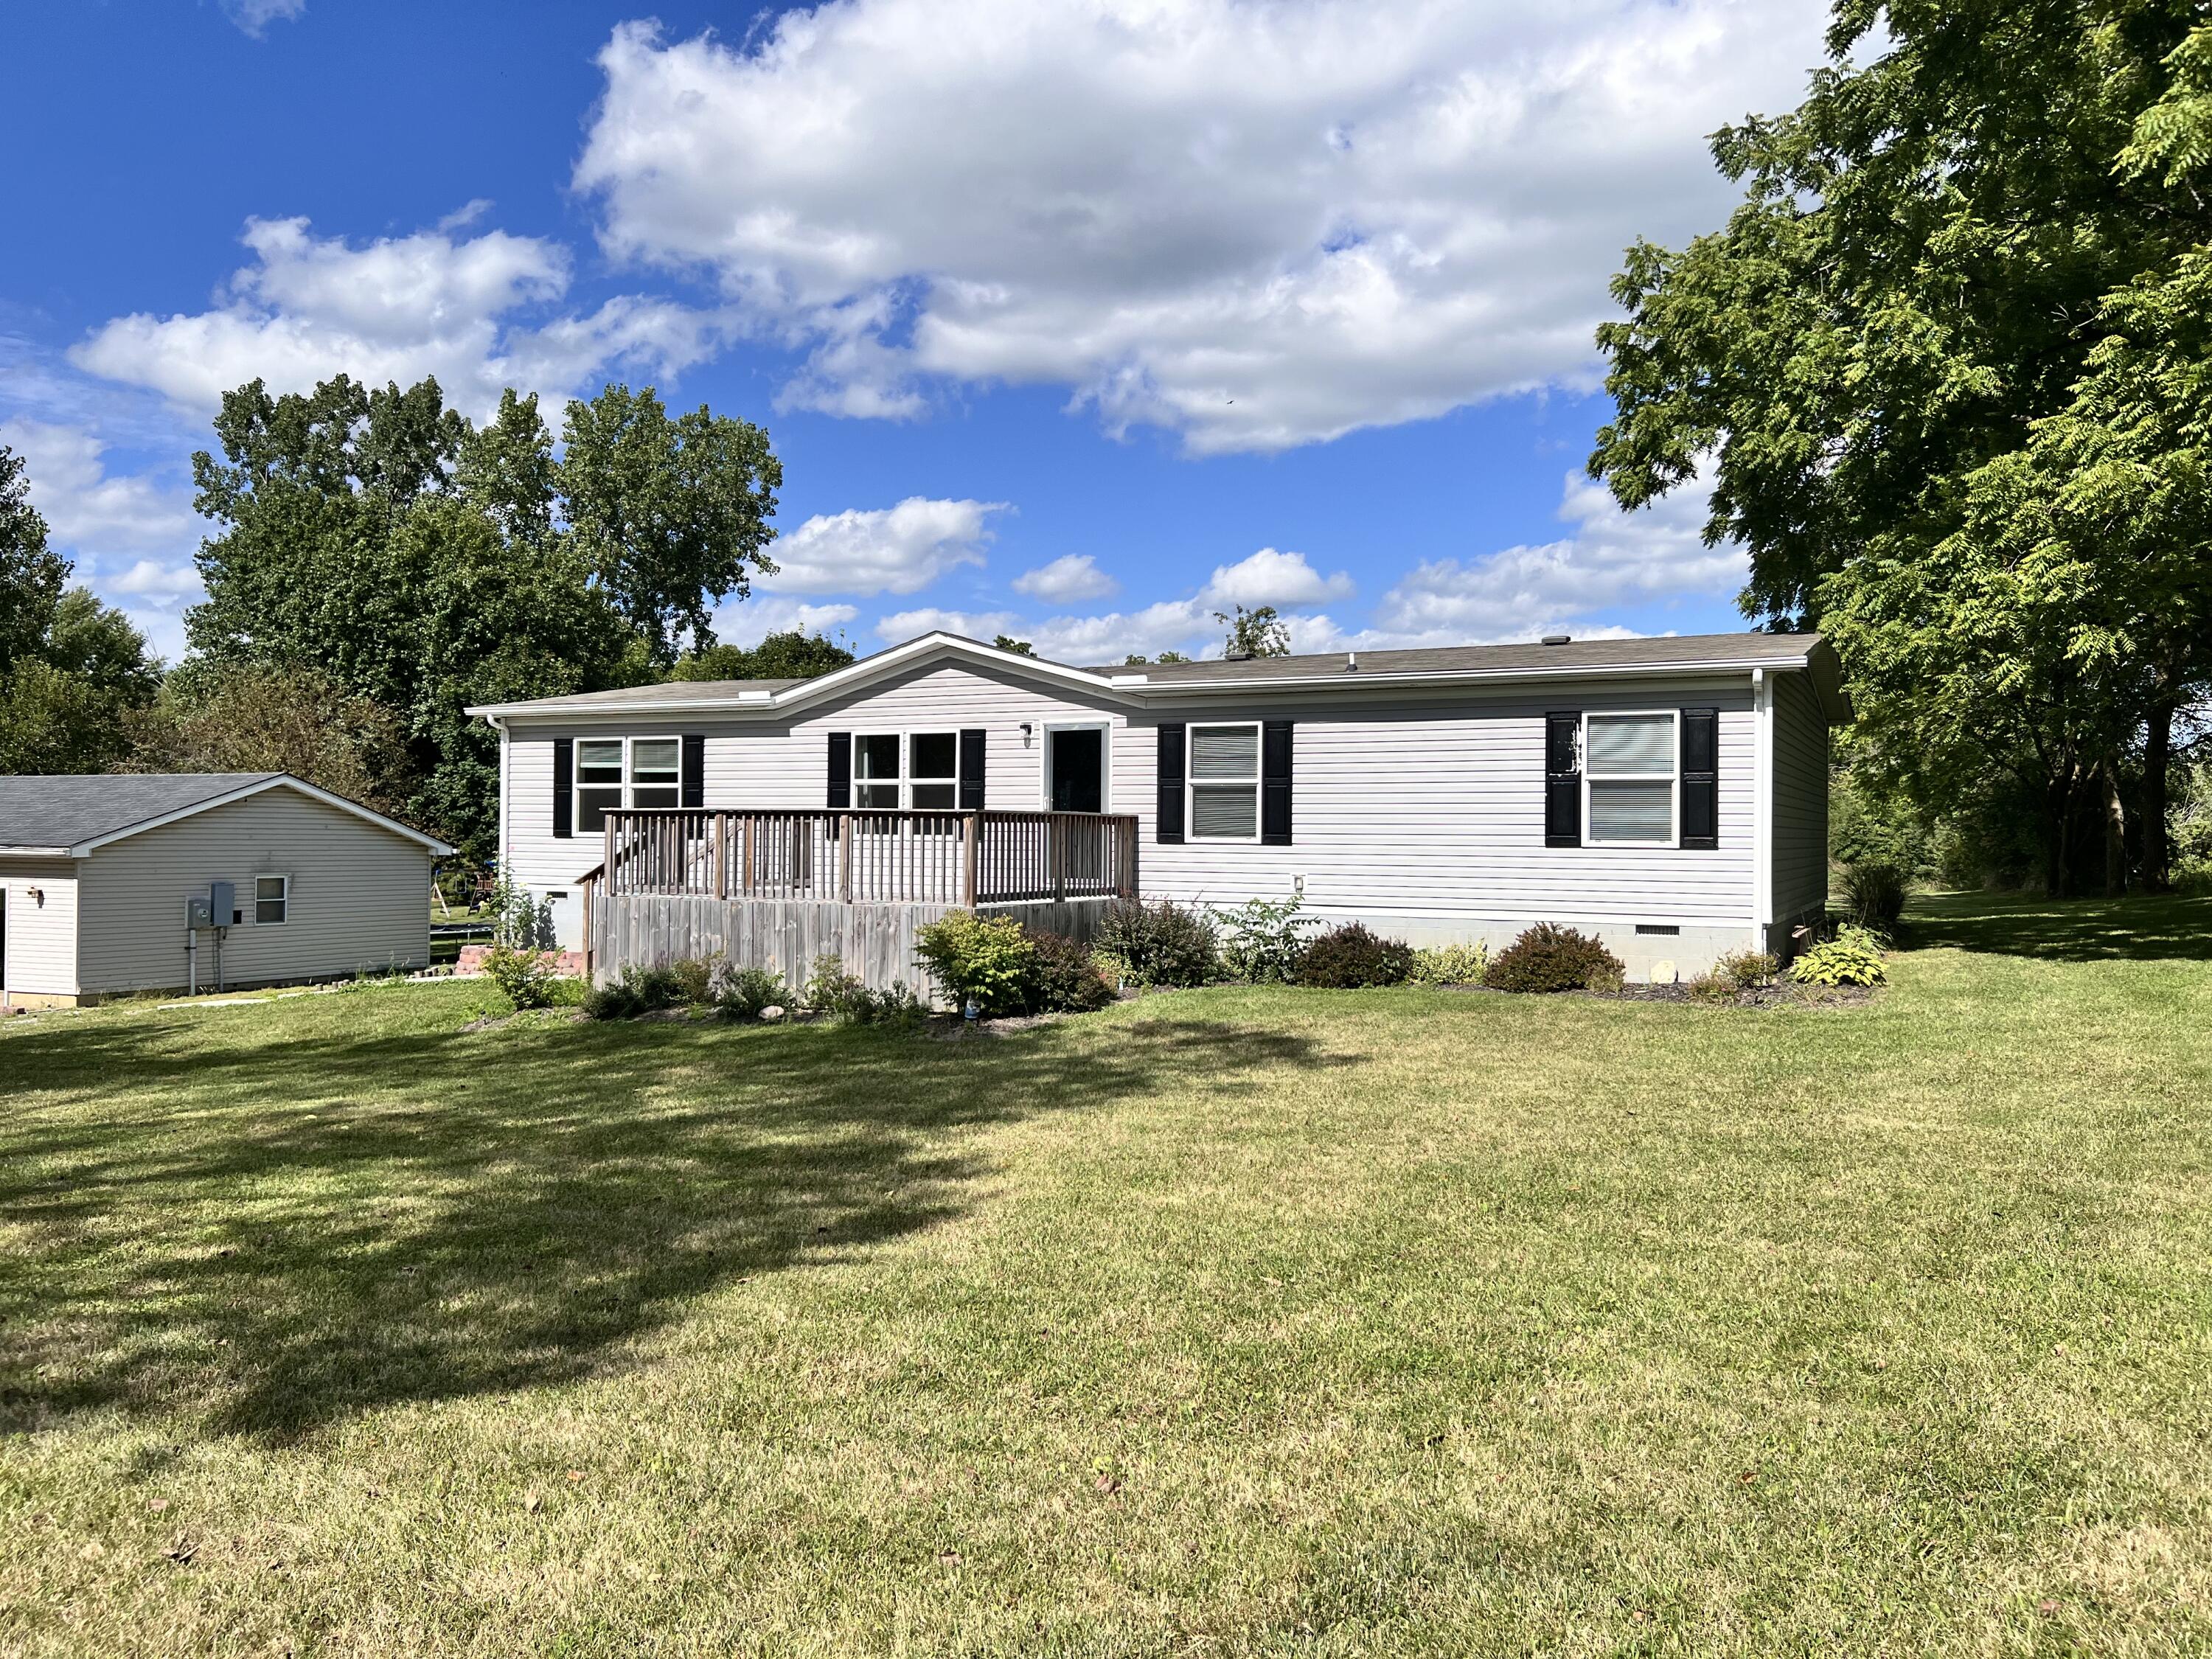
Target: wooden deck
{"points": [[853, 857], [778, 888]]}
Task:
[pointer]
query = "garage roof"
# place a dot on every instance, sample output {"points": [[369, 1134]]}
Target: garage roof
{"points": [[69, 815]]}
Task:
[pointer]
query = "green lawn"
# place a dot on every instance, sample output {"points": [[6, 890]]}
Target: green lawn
{"points": [[1225, 1322]]}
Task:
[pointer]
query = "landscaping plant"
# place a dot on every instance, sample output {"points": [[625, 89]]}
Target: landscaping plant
{"points": [[1263, 938], [992, 959], [1350, 957], [639, 991], [1161, 944], [1852, 957], [1550, 957], [1063, 977], [741, 992], [524, 976], [1449, 965], [1873, 896]]}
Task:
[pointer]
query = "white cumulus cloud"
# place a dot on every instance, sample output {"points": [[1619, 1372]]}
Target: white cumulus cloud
{"points": [[748, 621], [1253, 226], [889, 550], [985, 625], [1071, 576], [1610, 559], [467, 309]]}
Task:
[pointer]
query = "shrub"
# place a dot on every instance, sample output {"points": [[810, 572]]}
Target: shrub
{"points": [[1852, 957], [639, 991], [741, 992], [1263, 941], [1872, 896], [524, 975], [993, 959], [1349, 957], [1159, 944], [831, 991], [1747, 970], [1449, 965], [1550, 957], [1064, 978], [694, 977]]}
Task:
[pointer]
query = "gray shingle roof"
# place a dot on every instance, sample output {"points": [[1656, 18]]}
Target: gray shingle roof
{"points": [[61, 811], [673, 691], [1746, 650]]}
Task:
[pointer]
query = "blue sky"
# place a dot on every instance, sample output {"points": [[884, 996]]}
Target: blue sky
{"points": [[1080, 321]]}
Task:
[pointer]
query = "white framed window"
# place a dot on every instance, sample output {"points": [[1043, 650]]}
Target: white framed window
{"points": [[272, 901], [1631, 778], [1223, 778], [613, 773], [918, 771]]}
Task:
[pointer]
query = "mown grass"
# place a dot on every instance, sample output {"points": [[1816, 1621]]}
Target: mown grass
{"points": [[1227, 1322]]}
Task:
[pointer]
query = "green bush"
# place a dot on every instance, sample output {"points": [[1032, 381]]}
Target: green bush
{"points": [[1733, 973], [1348, 957], [741, 992], [694, 977], [1873, 896], [1159, 944], [846, 1000], [990, 958], [1064, 979], [525, 976], [1449, 965], [1852, 957], [639, 991], [1550, 957], [1261, 940]]}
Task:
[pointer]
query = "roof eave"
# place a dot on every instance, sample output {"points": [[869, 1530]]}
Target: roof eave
{"points": [[1347, 677], [18, 851]]}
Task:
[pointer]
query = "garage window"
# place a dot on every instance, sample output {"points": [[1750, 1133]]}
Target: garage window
{"points": [[272, 901]]}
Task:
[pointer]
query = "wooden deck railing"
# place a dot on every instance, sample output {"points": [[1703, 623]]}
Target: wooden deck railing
{"points": [[859, 856]]}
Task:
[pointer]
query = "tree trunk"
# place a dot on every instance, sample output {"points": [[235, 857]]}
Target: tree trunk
{"points": [[2058, 817], [2116, 834], [2158, 755]]}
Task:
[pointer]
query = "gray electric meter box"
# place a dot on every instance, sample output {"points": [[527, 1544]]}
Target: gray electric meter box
{"points": [[222, 899], [198, 913]]}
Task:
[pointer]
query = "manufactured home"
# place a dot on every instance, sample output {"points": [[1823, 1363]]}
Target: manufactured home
{"points": [[155, 881], [1670, 795]]}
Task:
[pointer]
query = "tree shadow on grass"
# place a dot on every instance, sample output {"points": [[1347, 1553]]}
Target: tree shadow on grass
{"points": [[2148, 929], [277, 1236]]}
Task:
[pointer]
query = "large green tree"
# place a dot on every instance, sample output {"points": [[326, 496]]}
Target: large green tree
{"points": [[670, 513], [790, 655], [1897, 363], [376, 539], [71, 669]]}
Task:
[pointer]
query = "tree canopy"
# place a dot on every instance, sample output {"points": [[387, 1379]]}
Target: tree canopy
{"points": [[71, 669], [1944, 367], [790, 655], [378, 540]]}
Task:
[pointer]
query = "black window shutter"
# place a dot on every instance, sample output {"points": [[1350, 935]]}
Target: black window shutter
{"points": [[1563, 781], [971, 768], [1168, 826], [1701, 777], [693, 777], [564, 788], [1275, 783], [840, 769]]}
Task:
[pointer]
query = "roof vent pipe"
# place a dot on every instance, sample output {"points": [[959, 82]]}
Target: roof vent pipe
{"points": [[1351, 662], [1558, 639]]}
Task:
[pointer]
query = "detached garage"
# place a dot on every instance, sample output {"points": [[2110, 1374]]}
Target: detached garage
{"points": [[150, 882]]}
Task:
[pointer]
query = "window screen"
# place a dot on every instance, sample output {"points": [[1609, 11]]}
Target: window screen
{"points": [[656, 771], [598, 782], [1225, 782], [1629, 761]]}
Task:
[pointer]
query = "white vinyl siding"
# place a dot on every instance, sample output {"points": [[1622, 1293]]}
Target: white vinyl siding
{"points": [[40, 948], [356, 897], [1428, 807], [1801, 800]]}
